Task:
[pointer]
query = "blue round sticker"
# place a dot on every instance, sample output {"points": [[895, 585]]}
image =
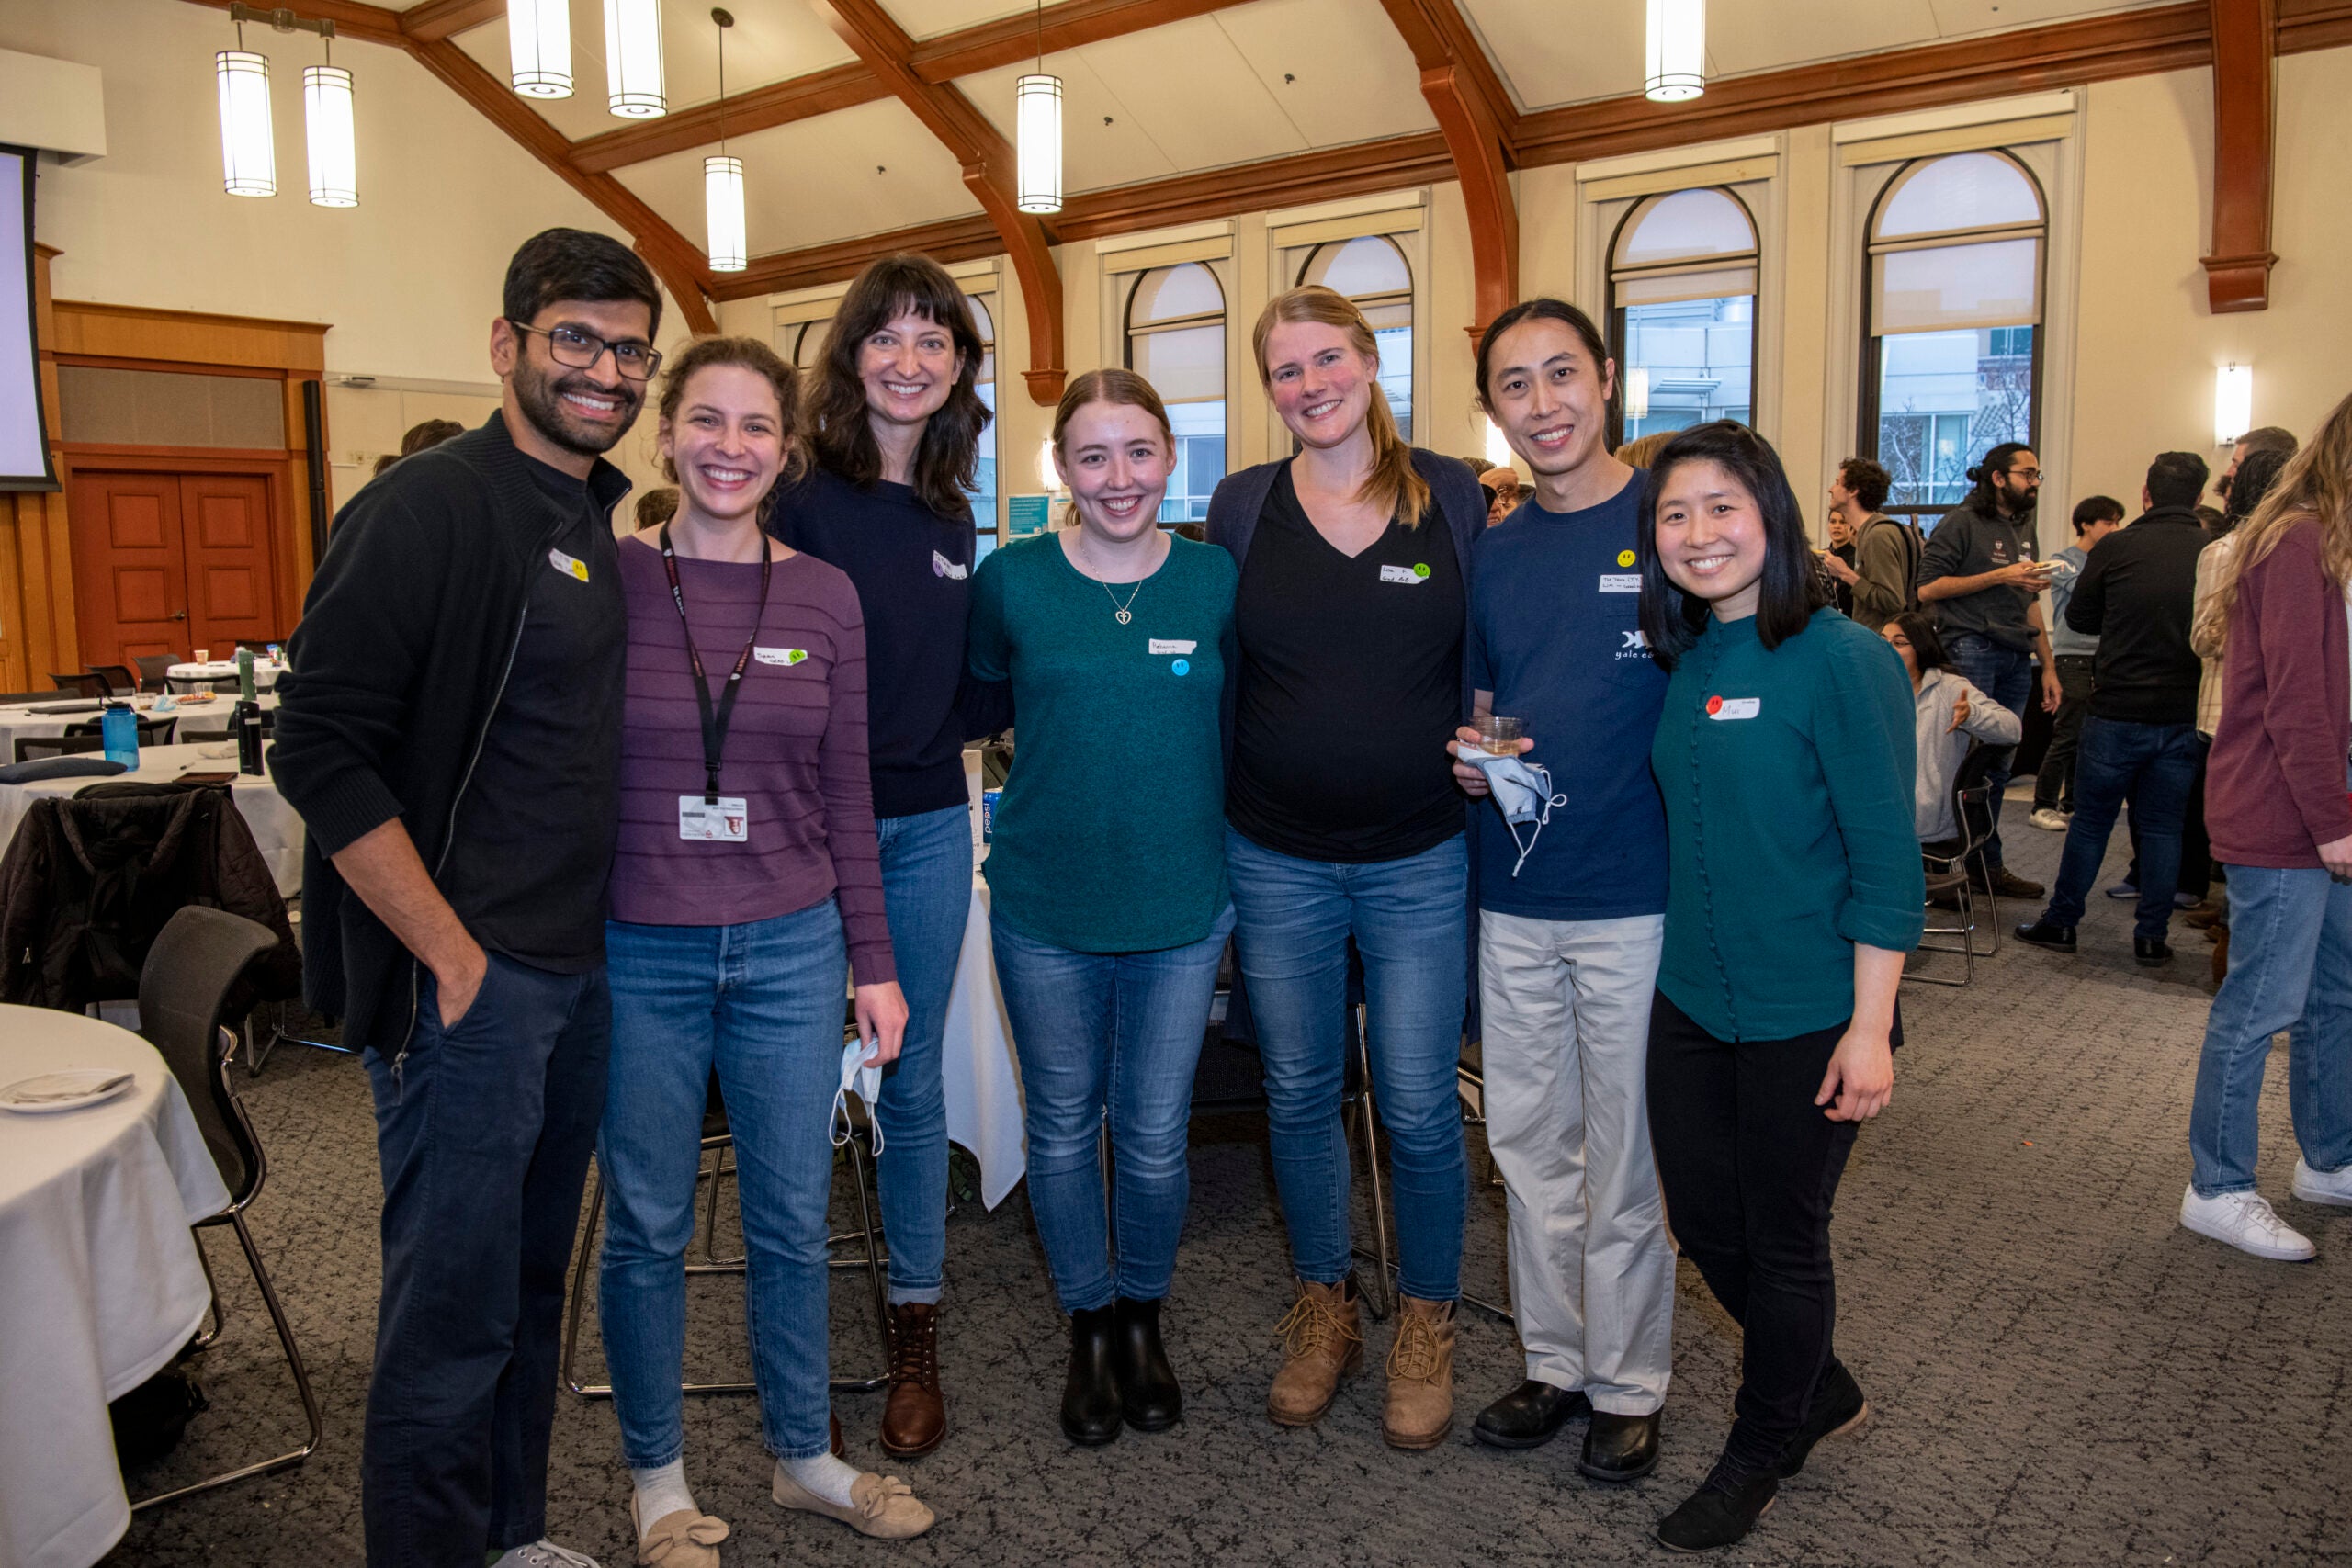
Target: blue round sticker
{"points": [[1182, 666]]}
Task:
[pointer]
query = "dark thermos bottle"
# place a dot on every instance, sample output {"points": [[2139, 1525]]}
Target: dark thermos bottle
{"points": [[247, 719]]}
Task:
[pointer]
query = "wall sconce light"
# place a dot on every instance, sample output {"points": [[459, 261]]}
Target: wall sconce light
{"points": [[1499, 451], [1637, 392], [1049, 476], [2233, 403]]}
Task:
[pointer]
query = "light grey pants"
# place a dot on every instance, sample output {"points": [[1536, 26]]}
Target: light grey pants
{"points": [[1566, 1006]]}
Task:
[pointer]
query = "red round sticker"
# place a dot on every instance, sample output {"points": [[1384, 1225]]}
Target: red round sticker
{"points": [[1714, 704]]}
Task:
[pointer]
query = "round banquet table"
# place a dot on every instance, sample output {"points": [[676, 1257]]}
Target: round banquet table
{"points": [[276, 826], [187, 677], [100, 1281]]}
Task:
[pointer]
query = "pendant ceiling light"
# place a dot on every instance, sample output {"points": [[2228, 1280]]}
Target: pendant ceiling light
{"points": [[1678, 51], [328, 120], [722, 180], [633, 59], [248, 143], [1038, 134], [539, 47]]}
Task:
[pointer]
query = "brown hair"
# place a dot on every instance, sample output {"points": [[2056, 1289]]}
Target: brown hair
{"points": [[1393, 485], [1637, 453], [947, 459], [752, 356], [432, 433], [1112, 386], [2316, 485]]}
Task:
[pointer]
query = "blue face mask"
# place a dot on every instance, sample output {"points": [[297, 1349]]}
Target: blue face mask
{"points": [[865, 1083], [1522, 793]]}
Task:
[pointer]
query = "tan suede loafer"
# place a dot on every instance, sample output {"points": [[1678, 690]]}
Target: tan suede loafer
{"points": [[880, 1505], [680, 1539]]}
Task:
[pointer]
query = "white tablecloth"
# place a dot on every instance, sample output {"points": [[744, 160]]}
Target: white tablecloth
{"points": [[100, 1284], [264, 672], [277, 828], [982, 1078], [22, 721]]}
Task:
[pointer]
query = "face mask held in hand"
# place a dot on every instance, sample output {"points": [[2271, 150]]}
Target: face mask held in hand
{"points": [[865, 1083], [1522, 793]]}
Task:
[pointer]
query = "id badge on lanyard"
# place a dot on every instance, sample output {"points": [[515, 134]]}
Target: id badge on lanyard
{"points": [[711, 818]]}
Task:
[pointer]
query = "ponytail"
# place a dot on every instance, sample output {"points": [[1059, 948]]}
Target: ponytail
{"points": [[1394, 486]]}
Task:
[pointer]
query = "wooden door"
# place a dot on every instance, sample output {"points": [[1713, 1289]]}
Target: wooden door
{"points": [[129, 584], [224, 522]]}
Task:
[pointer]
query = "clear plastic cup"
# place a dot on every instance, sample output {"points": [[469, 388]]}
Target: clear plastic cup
{"points": [[1498, 735]]}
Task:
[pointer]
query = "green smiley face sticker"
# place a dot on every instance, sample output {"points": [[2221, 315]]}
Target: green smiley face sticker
{"points": [[1420, 569]]}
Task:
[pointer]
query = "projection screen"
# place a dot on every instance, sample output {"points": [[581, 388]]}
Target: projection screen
{"points": [[24, 446]]}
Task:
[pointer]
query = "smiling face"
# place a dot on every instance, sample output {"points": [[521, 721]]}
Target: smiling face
{"points": [[1116, 459], [1710, 538], [1549, 396], [1321, 385], [583, 411], [726, 443], [908, 365]]}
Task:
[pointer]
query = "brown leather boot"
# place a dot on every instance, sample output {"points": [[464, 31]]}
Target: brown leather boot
{"points": [[1322, 1342], [914, 1419], [1420, 1376]]}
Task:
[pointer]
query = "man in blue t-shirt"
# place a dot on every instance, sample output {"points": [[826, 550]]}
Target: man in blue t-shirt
{"points": [[1572, 910]]}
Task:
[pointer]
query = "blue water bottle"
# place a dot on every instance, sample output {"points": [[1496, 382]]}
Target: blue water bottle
{"points": [[119, 730]]}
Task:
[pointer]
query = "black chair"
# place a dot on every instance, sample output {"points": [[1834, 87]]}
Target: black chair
{"points": [[32, 748], [119, 680], [200, 958], [152, 731], [1960, 873], [154, 670], [84, 685]]}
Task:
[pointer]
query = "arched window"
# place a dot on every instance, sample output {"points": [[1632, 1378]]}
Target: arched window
{"points": [[1683, 312], [1176, 341], [1372, 271], [1952, 354], [807, 344]]}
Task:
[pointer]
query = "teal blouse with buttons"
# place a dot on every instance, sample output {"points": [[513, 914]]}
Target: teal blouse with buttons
{"points": [[1110, 836], [1787, 775]]}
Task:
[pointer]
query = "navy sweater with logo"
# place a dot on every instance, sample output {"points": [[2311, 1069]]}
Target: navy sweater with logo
{"points": [[1554, 634]]}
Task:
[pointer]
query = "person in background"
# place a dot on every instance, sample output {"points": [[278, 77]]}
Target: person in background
{"points": [[2139, 739], [1978, 571], [421, 436], [1504, 493], [1784, 754], [746, 897], [2054, 784], [1838, 561], [460, 799], [2282, 824], [894, 425], [1637, 453], [658, 506], [1885, 563], [2266, 438], [1568, 933], [1343, 821], [1109, 922], [1949, 717]]}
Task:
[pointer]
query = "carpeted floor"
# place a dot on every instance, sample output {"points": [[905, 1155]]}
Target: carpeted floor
{"points": [[2060, 1375]]}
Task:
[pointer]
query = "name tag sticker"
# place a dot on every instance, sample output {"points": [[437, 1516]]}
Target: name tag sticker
{"points": [[1733, 707], [1418, 572], [1160, 645], [700, 822], [1621, 583], [565, 565], [941, 567], [779, 655]]}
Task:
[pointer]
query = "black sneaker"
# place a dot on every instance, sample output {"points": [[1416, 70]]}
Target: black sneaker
{"points": [[1724, 1509], [1837, 1408], [2151, 953], [2041, 933]]}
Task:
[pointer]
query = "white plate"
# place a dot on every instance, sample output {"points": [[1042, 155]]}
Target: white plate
{"points": [[79, 1087]]}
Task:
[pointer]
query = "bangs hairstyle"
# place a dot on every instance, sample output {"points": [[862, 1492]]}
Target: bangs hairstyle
{"points": [[1671, 619], [1927, 643], [1392, 485], [572, 263], [752, 354], [947, 458], [1567, 315], [1124, 388]]}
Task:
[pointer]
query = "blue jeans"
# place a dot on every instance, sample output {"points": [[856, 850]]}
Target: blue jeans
{"points": [[483, 1134], [1410, 921], [760, 1004], [2005, 675], [2290, 969], [2152, 765], [1120, 1031], [926, 895]]}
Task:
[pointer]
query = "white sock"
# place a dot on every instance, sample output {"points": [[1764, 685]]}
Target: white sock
{"points": [[823, 1474], [660, 1492]]}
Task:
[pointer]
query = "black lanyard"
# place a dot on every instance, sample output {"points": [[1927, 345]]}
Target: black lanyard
{"points": [[714, 726]]}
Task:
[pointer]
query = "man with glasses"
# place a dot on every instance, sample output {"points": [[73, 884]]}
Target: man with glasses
{"points": [[453, 744], [1979, 579]]}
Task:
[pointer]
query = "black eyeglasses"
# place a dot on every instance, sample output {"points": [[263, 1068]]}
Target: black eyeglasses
{"points": [[2030, 476], [580, 351]]}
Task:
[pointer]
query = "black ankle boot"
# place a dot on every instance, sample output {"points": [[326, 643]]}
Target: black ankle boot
{"points": [[1724, 1509], [1090, 1396], [1147, 1390]]}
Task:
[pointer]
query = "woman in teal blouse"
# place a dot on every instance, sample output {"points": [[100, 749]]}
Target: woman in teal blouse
{"points": [[1106, 875], [1785, 758]]}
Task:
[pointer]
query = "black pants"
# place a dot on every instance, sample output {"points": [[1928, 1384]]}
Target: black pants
{"points": [[484, 1133], [2196, 846], [2053, 782], [1748, 1166]]}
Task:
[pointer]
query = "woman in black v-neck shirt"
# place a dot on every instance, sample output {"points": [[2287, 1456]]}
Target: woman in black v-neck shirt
{"points": [[1343, 823]]}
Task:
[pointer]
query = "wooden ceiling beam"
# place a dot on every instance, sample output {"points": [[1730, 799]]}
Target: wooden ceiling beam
{"points": [[437, 19], [957, 238], [1073, 24], [2237, 271], [371, 24], [682, 130], [1476, 119], [987, 161]]}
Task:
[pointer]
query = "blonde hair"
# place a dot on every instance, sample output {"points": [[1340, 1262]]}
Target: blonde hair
{"points": [[1393, 485], [2316, 485], [1111, 386], [1638, 452]]}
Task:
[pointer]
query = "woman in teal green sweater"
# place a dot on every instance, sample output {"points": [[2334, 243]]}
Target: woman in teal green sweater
{"points": [[1785, 758], [1106, 875]]}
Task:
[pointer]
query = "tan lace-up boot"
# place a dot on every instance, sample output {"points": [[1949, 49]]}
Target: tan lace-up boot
{"points": [[1420, 1376], [1322, 1342]]}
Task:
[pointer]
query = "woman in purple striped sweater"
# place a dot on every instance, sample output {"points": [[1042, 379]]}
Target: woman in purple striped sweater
{"points": [[745, 883]]}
